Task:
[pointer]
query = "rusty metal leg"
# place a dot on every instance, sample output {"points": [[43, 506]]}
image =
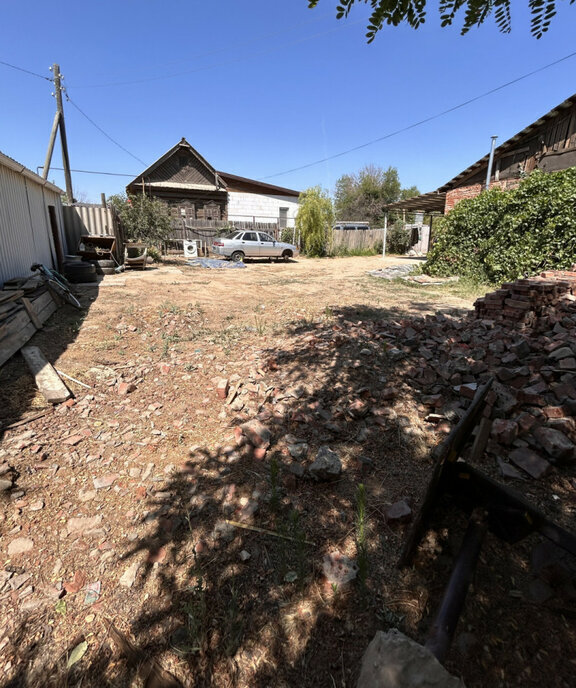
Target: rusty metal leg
{"points": [[442, 631]]}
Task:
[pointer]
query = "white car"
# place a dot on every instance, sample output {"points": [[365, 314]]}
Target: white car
{"points": [[242, 244]]}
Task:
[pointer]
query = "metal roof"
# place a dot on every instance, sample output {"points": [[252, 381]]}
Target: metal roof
{"points": [[435, 200], [431, 202], [230, 179], [510, 143], [9, 162]]}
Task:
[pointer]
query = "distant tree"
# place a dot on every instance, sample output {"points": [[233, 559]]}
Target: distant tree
{"points": [[314, 221], [476, 12], [410, 192], [364, 195], [143, 219]]}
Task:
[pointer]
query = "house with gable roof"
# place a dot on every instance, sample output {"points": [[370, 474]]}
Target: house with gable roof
{"points": [[199, 194]]}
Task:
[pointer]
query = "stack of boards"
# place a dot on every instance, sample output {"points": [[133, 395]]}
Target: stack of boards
{"points": [[25, 305]]}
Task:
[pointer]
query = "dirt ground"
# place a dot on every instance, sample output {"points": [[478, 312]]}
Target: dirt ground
{"points": [[144, 534]]}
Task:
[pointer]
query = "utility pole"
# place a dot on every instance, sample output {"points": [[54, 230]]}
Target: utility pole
{"points": [[59, 124]]}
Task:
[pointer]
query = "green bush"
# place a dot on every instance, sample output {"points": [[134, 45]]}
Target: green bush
{"points": [[398, 239], [502, 235]]}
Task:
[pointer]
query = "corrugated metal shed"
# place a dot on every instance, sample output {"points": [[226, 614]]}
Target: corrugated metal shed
{"points": [[26, 234]]}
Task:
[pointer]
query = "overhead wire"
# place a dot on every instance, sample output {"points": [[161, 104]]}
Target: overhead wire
{"points": [[110, 174], [93, 123], [420, 122], [26, 71]]}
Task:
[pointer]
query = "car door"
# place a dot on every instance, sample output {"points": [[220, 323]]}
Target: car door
{"points": [[249, 244], [268, 246]]}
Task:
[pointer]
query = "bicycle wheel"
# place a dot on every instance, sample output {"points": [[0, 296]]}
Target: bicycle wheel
{"points": [[64, 293]]}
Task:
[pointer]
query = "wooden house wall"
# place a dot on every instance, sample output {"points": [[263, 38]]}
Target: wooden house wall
{"points": [[550, 147], [197, 205], [183, 168]]}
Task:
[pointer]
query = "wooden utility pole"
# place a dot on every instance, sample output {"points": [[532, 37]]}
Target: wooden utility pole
{"points": [[59, 124]]}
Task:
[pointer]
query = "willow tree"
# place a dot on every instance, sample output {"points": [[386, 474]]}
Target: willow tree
{"points": [[314, 221]]}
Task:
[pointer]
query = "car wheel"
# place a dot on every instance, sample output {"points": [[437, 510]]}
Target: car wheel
{"points": [[237, 256], [287, 255]]}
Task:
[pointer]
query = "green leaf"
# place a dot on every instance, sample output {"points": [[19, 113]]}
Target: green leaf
{"points": [[77, 653]]}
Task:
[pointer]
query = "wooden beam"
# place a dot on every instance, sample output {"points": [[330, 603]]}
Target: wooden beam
{"points": [[32, 313], [47, 379]]}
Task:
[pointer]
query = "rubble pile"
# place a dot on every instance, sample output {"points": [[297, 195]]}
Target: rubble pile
{"points": [[520, 304]]}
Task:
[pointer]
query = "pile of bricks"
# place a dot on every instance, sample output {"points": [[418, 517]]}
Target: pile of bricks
{"points": [[522, 303]]}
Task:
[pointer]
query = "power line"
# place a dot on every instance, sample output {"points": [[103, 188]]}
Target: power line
{"points": [[422, 121], [110, 174], [26, 71], [93, 123]]}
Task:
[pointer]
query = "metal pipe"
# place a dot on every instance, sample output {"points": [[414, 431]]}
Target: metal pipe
{"points": [[442, 631], [490, 162], [384, 233]]}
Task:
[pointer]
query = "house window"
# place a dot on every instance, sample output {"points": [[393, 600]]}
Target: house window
{"points": [[282, 217], [212, 211]]}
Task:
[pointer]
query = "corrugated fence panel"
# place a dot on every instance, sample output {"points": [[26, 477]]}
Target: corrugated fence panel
{"points": [[86, 219], [25, 235]]}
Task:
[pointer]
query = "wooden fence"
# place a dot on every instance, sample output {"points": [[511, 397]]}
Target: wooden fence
{"points": [[357, 239]]}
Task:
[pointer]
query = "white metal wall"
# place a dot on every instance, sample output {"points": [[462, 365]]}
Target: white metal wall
{"points": [[25, 232], [245, 206]]}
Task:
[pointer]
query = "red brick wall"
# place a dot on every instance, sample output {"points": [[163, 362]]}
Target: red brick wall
{"points": [[461, 192]]}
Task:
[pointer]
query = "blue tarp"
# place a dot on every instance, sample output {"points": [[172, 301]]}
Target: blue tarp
{"points": [[213, 263]]}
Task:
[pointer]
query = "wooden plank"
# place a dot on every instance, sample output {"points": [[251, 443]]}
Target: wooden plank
{"points": [[444, 454], [47, 379], [481, 439], [12, 344], [31, 312], [6, 296]]}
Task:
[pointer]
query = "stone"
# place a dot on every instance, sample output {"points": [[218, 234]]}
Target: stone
{"points": [[129, 576], [257, 434], [392, 660], [508, 471], [561, 353], [326, 466], [504, 431], [20, 545], [5, 485], [83, 524], [399, 512], [339, 569], [244, 555], [223, 388], [530, 462], [105, 481], [298, 451], [125, 388], [555, 443]]}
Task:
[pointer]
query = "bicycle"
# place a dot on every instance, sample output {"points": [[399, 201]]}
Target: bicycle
{"points": [[57, 283]]}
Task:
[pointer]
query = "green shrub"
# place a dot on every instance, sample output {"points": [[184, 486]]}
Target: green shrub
{"points": [[398, 239], [501, 235]]}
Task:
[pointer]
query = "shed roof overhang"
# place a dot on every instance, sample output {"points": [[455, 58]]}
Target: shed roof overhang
{"points": [[432, 202]]}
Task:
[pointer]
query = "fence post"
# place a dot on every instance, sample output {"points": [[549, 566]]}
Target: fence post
{"points": [[384, 233]]}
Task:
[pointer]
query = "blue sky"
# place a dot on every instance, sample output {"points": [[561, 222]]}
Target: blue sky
{"points": [[264, 86]]}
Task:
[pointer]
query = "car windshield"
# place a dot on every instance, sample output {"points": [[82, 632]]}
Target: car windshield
{"points": [[233, 235]]}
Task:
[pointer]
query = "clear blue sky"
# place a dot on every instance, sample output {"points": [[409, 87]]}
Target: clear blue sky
{"points": [[263, 86]]}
